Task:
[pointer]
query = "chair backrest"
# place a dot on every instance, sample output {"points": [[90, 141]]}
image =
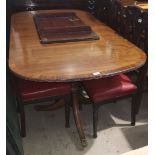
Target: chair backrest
{"points": [[141, 81], [141, 31], [30, 5], [118, 16], [104, 10], [132, 14], [142, 76], [92, 6]]}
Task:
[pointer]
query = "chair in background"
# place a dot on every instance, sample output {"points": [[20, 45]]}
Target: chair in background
{"points": [[141, 82], [28, 92], [136, 30], [132, 13], [92, 7], [118, 18], [105, 11], [109, 89], [141, 31]]}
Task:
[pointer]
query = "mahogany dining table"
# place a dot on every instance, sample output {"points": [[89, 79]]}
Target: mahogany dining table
{"points": [[71, 61]]}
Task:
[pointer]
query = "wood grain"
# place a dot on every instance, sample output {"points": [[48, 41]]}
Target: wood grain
{"points": [[141, 5], [72, 61]]}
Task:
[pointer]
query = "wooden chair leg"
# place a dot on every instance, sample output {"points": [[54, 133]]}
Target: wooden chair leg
{"points": [[17, 106], [146, 45], [22, 118], [95, 120], [133, 111], [67, 100], [80, 106]]}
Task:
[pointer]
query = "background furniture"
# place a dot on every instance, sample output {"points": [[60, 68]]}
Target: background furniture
{"points": [[13, 138], [125, 17], [92, 7], [132, 15], [29, 5], [141, 31]]}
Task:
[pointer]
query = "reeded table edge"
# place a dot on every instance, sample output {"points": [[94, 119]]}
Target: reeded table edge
{"points": [[85, 77]]}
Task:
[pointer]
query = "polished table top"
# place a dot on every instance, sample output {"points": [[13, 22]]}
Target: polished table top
{"points": [[72, 61]]}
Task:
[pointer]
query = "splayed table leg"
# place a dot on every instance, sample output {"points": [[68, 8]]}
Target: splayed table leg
{"points": [[77, 118]]}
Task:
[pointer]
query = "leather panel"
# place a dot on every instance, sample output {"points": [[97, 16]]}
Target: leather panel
{"points": [[30, 90], [109, 88]]}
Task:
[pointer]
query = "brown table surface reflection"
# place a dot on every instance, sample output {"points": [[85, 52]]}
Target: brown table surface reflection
{"points": [[141, 5], [72, 61]]}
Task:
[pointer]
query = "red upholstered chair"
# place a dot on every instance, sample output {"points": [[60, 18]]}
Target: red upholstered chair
{"points": [[30, 92], [101, 91]]}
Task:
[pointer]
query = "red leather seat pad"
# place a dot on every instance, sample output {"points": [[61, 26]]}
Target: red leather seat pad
{"points": [[30, 90], [109, 88]]}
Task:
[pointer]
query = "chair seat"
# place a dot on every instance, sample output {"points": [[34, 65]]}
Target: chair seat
{"points": [[109, 88], [30, 90]]}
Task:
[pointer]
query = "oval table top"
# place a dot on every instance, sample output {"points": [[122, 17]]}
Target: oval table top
{"points": [[71, 61]]}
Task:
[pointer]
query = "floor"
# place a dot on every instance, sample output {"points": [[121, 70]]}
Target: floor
{"points": [[46, 134]]}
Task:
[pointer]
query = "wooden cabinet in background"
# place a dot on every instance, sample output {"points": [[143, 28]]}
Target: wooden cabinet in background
{"points": [[50, 4]]}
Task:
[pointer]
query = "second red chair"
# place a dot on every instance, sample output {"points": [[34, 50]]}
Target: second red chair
{"points": [[105, 90]]}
